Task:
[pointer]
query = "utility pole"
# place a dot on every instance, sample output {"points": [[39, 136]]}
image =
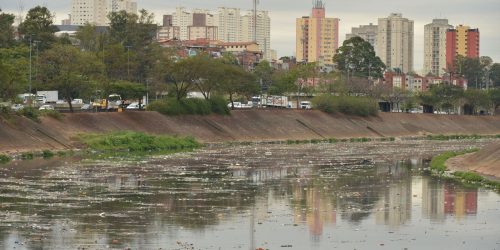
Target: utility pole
{"points": [[31, 47], [128, 61]]}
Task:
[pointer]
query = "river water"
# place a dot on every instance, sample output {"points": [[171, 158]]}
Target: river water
{"points": [[375, 195]]}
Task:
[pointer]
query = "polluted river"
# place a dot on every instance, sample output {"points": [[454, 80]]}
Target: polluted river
{"points": [[373, 195]]}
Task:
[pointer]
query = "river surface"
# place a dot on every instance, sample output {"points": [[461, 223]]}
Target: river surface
{"points": [[375, 195]]}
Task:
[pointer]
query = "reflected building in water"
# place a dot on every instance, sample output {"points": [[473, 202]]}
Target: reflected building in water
{"points": [[442, 199], [394, 206]]}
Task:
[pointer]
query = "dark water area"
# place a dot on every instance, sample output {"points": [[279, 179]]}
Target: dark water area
{"points": [[376, 195]]}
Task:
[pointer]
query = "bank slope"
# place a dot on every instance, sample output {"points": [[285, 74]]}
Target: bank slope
{"points": [[21, 134]]}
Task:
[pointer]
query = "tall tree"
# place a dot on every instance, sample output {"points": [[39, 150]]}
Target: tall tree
{"points": [[264, 73], [494, 74], [91, 39], [133, 30], [14, 64], [38, 25], [237, 81], [69, 70], [7, 34], [357, 57]]}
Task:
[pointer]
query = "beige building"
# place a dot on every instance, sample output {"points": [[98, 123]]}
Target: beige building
{"points": [[229, 24], [317, 38], [435, 47], [395, 42], [263, 34], [96, 11], [367, 32]]}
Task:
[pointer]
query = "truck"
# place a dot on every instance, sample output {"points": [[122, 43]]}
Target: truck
{"points": [[274, 101], [51, 96]]}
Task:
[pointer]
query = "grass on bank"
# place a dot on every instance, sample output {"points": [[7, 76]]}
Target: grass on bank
{"points": [[460, 137], [4, 159], [438, 165], [137, 142]]}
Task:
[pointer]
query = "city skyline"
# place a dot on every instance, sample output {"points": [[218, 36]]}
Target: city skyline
{"points": [[483, 14]]}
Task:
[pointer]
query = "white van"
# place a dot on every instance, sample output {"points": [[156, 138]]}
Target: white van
{"points": [[305, 105]]}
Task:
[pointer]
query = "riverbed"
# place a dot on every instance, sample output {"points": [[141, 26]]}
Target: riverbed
{"points": [[373, 195]]}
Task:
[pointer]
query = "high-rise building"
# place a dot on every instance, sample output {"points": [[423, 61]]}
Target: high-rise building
{"points": [[367, 32], [200, 29], [395, 42], [168, 31], [229, 22], [96, 11], [317, 37], [462, 41], [435, 46], [262, 34]]}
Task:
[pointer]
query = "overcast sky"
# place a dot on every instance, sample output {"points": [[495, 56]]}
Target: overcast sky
{"points": [[482, 14]]}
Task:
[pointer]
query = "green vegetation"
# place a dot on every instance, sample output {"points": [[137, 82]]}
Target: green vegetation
{"points": [[27, 156], [438, 165], [46, 154], [350, 105], [51, 113], [4, 159], [137, 142], [438, 162], [30, 113], [192, 106], [459, 137]]}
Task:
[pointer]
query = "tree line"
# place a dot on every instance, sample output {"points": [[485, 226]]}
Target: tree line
{"points": [[125, 59]]}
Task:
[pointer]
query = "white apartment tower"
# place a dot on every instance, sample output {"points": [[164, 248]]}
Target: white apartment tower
{"points": [[395, 42], [96, 11], [435, 46], [229, 22], [263, 34]]}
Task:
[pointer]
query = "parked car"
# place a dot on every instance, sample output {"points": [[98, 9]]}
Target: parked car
{"points": [[77, 101], [134, 105], [46, 107], [16, 107], [305, 105], [86, 106]]}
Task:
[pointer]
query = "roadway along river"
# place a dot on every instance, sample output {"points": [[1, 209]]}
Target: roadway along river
{"points": [[375, 195]]}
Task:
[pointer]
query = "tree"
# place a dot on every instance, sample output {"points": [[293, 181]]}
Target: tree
{"points": [[7, 34], [237, 81], [132, 30], [477, 99], [494, 74], [69, 70], [264, 74], [357, 56], [494, 95], [129, 90], [91, 39], [14, 64], [38, 25]]}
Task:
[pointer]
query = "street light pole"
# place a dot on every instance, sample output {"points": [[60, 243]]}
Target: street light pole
{"points": [[31, 45], [128, 62]]}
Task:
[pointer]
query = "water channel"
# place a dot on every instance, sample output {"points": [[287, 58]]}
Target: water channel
{"points": [[375, 195]]}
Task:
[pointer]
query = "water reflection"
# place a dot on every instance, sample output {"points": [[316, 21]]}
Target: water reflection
{"points": [[215, 203]]}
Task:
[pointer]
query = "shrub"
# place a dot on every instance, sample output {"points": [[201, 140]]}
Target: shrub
{"points": [[30, 113], [350, 105], [191, 106], [4, 159], [127, 141], [27, 156], [51, 113], [219, 105], [47, 154]]}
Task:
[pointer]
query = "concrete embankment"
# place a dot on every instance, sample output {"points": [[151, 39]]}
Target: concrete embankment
{"points": [[21, 134], [486, 162]]}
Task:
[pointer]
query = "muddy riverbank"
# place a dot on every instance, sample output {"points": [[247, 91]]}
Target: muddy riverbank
{"points": [[21, 134]]}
